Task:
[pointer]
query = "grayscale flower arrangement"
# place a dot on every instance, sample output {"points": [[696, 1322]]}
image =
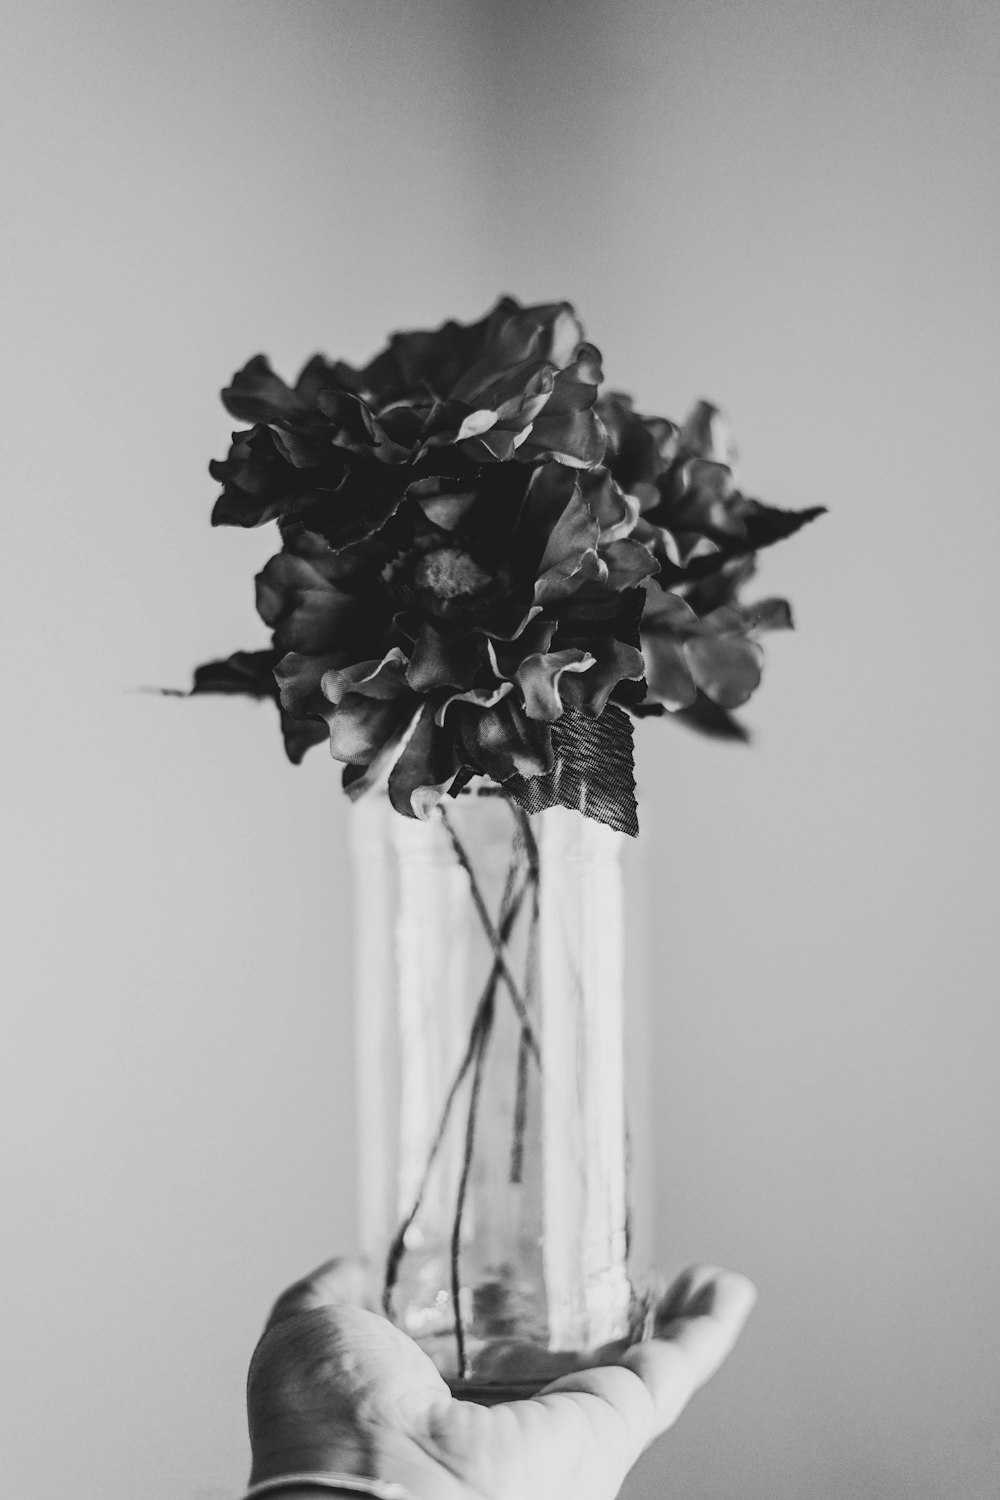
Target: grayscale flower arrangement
{"points": [[489, 564]]}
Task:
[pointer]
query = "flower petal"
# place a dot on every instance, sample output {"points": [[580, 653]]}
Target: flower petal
{"points": [[769, 614], [628, 562], [359, 779], [639, 448], [538, 678], [668, 675], [575, 438], [360, 726], [307, 612], [565, 579], [507, 620], [425, 768], [478, 697], [355, 427], [505, 656], [615, 512], [374, 679], [706, 434], [612, 662], [298, 678], [665, 610], [257, 484], [504, 741], [574, 535], [726, 668], [257, 394], [441, 660], [476, 423]]}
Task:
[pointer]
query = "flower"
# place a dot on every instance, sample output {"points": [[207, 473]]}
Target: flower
{"points": [[342, 447], [484, 560], [480, 628], [692, 514], [700, 642]]}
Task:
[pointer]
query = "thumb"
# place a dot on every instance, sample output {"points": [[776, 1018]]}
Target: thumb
{"points": [[341, 1282]]}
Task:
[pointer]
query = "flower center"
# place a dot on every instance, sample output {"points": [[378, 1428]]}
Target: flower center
{"points": [[450, 573]]}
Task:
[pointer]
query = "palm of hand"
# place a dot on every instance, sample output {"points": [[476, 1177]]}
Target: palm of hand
{"points": [[335, 1387]]}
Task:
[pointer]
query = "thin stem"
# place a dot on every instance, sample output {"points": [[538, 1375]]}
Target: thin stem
{"points": [[398, 1247], [510, 909], [530, 842], [497, 943], [530, 974], [463, 1187], [520, 1113]]}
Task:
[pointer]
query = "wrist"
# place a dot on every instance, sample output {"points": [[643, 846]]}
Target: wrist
{"points": [[389, 1457], [317, 1485]]}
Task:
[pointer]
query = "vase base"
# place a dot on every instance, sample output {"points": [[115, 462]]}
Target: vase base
{"points": [[491, 1393]]}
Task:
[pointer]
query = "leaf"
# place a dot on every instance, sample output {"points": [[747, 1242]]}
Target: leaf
{"points": [[707, 718], [766, 524], [250, 673], [592, 771]]}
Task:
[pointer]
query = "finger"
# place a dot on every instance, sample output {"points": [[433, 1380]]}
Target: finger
{"points": [[647, 1389], [338, 1282], [692, 1293], [701, 1319]]}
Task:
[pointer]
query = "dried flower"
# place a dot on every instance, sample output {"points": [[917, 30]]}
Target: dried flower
{"points": [[472, 540]]}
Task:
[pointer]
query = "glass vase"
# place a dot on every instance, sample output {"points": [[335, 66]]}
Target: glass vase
{"points": [[492, 1173]]}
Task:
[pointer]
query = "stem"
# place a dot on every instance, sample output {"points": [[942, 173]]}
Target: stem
{"points": [[530, 842], [498, 948], [531, 961], [510, 910], [520, 1114], [463, 1186]]}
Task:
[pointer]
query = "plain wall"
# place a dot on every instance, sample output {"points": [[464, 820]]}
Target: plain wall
{"points": [[788, 208]]}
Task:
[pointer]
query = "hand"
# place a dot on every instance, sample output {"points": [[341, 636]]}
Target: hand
{"points": [[334, 1386]]}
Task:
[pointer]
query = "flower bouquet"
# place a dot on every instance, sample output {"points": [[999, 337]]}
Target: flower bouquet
{"points": [[489, 565]]}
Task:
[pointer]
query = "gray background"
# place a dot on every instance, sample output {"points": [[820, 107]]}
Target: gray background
{"points": [[790, 208]]}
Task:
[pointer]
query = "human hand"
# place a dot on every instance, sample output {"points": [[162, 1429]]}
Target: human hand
{"points": [[336, 1387]]}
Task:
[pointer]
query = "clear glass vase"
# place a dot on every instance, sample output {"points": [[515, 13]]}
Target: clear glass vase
{"points": [[492, 1123]]}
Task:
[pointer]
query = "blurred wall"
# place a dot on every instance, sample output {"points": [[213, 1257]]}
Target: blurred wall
{"points": [[789, 208]]}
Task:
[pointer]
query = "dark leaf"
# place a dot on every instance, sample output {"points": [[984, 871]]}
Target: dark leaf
{"points": [[250, 673], [592, 771], [709, 719], [766, 524]]}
